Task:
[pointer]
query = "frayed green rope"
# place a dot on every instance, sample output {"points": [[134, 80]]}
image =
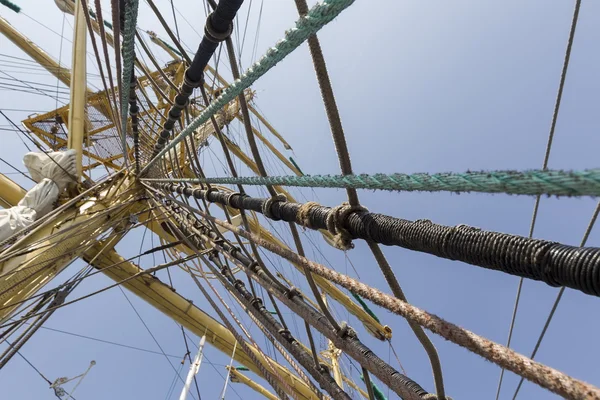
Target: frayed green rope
{"points": [[533, 182]]}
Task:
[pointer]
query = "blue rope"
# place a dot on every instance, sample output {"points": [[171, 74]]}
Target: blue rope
{"points": [[317, 17], [532, 182]]}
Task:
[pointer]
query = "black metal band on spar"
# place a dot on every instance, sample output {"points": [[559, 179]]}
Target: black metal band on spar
{"points": [[553, 263], [218, 27]]}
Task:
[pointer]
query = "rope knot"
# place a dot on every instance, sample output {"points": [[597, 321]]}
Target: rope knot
{"points": [[266, 207], [335, 224], [302, 217]]}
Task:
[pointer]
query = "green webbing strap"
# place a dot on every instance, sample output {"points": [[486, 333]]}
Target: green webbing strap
{"points": [[533, 182], [10, 5], [241, 368], [318, 16], [376, 391], [365, 306]]}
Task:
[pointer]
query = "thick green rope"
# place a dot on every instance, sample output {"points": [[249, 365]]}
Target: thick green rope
{"points": [[376, 391], [365, 306], [532, 182], [10, 5], [128, 51], [317, 17]]}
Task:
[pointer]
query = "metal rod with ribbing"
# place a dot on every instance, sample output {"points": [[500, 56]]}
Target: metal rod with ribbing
{"points": [[554, 263]]}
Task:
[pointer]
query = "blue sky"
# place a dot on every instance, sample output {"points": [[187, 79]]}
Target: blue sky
{"points": [[429, 86]]}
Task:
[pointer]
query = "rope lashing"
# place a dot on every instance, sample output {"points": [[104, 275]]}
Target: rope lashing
{"points": [[335, 224], [304, 212], [554, 263], [530, 182], [320, 15]]}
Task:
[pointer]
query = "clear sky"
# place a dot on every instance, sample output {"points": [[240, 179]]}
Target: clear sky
{"points": [[422, 86]]}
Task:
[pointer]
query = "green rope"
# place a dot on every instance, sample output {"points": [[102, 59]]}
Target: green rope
{"points": [[532, 182], [365, 306], [376, 391], [10, 5], [128, 51], [242, 368], [317, 17]]}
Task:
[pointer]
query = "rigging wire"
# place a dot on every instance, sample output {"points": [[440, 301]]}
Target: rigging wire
{"points": [[106, 341], [31, 365], [153, 337], [557, 104], [17, 170], [62, 38]]}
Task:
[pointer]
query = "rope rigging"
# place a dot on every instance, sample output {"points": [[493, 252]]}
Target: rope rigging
{"points": [[540, 374], [345, 340], [156, 113], [532, 182]]}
